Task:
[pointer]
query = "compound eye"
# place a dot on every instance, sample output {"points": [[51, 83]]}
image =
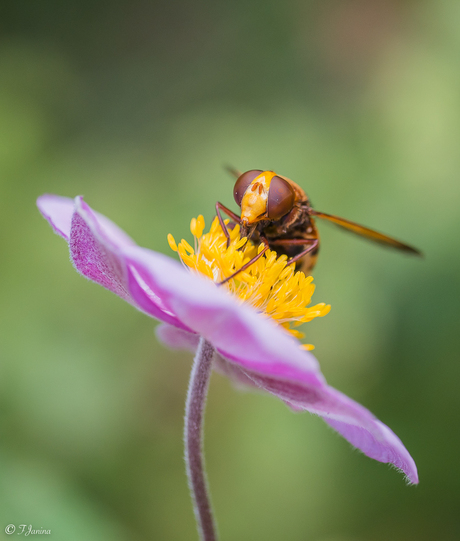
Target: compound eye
{"points": [[242, 183], [281, 198]]}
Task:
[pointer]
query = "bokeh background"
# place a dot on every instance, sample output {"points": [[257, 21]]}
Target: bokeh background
{"points": [[137, 105]]}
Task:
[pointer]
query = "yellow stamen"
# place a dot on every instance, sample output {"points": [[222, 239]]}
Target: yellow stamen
{"points": [[199, 226], [193, 227], [187, 246], [270, 285], [172, 243]]}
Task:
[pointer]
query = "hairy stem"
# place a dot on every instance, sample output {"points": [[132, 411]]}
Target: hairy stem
{"points": [[193, 437]]}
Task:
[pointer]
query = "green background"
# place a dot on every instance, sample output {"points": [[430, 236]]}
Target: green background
{"points": [[137, 105]]}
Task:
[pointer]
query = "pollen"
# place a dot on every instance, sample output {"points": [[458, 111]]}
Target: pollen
{"points": [[270, 284]]}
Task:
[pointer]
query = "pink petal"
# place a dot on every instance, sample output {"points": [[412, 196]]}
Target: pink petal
{"points": [[58, 211], [238, 332], [176, 338], [95, 254], [354, 422], [96, 245], [234, 372]]}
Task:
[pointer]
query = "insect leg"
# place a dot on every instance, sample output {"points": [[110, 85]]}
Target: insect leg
{"points": [[232, 215], [248, 264], [313, 243]]}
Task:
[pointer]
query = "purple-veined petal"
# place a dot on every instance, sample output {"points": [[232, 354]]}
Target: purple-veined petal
{"points": [[354, 422], [236, 330], [96, 245], [94, 253]]}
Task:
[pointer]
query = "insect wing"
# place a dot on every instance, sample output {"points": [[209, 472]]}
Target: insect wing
{"points": [[366, 232]]}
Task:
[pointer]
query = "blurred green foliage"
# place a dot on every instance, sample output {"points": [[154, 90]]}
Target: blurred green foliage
{"points": [[137, 105]]}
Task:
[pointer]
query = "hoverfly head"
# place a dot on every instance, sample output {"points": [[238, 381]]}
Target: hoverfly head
{"points": [[262, 195]]}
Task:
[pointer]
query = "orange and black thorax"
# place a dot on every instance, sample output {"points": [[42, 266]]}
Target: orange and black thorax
{"points": [[297, 224]]}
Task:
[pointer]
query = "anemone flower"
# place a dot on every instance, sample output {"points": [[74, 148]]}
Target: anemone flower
{"points": [[245, 328]]}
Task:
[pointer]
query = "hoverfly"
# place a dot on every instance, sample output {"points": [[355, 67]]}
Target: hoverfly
{"points": [[276, 211]]}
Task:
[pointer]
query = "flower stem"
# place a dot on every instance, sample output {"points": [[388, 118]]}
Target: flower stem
{"points": [[193, 437]]}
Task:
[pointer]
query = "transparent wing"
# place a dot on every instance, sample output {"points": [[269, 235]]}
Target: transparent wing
{"points": [[366, 232]]}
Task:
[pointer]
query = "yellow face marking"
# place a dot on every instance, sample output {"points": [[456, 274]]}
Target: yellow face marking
{"points": [[255, 198]]}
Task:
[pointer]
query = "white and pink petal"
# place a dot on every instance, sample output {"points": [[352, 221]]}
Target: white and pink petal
{"points": [[96, 249]]}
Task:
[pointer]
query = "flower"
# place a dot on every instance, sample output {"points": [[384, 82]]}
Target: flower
{"points": [[251, 349], [271, 286]]}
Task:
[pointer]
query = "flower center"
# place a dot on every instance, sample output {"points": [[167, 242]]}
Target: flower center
{"points": [[270, 285]]}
